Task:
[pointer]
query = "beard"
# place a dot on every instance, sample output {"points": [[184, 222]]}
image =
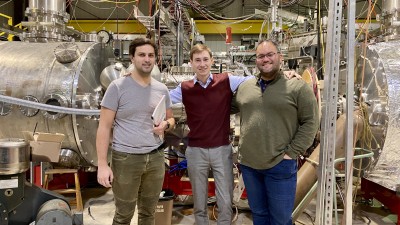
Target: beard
{"points": [[270, 71]]}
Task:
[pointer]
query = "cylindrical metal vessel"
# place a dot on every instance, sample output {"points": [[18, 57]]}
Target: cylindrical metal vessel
{"points": [[14, 156], [380, 91], [54, 212], [390, 5], [46, 21], [69, 158], [36, 72], [45, 5], [389, 18]]}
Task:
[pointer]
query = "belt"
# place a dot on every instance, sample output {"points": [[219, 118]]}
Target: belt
{"points": [[161, 147]]}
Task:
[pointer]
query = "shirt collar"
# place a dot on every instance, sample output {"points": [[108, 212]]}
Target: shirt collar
{"points": [[209, 79], [266, 82], [280, 74]]}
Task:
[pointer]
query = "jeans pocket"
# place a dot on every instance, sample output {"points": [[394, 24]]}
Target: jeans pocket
{"points": [[119, 156], [285, 169]]}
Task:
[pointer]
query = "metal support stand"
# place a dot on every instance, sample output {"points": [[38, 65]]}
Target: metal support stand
{"points": [[326, 173], [179, 36]]}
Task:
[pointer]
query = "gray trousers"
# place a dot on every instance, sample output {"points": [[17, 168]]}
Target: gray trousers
{"points": [[199, 162], [137, 180]]}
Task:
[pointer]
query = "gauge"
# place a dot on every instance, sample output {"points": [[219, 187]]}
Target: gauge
{"points": [[27, 111], [105, 36]]}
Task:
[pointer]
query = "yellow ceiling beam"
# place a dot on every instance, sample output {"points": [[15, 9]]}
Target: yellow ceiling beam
{"points": [[203, 26], [244, 27]]}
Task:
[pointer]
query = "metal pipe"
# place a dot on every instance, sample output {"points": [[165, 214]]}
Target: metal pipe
{"points": [[307, 174], [351, 8]]}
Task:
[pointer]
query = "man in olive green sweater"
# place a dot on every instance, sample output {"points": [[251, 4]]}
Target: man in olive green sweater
{"points": [[279, 120]]}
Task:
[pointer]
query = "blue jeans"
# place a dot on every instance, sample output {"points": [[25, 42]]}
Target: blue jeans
{"points": [[271, 192]]}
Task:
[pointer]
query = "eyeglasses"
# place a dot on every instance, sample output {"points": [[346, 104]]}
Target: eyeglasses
{"points": [[268, 55]]}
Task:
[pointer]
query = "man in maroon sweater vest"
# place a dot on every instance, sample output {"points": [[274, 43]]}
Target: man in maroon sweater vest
{"points": [[207, 100]]}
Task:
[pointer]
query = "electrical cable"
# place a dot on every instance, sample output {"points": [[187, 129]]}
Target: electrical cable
{"points": [[69, 3], [129, 16], [235, 215], [208, 14], [97, 7], [367, 22], [117, 17], [114, 2], [218, 6], [101, 25], [310, 217], [5, 3], [283, 4], [90, 3], [246, 17], [73, 9]]}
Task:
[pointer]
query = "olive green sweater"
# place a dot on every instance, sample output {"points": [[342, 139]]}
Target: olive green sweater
{"points": [[283, 119]]}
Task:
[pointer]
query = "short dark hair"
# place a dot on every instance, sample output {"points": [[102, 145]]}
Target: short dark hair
{"points": [[137, 42], [199, 48], [272, 41]]}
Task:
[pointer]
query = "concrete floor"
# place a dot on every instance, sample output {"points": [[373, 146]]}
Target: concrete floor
{"points": [[99, 210]]}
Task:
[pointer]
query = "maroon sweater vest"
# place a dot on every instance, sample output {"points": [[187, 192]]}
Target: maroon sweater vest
{"points": [[207, 111]]}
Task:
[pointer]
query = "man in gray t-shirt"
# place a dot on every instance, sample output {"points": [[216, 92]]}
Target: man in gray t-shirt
{"points": [[137, 164]]}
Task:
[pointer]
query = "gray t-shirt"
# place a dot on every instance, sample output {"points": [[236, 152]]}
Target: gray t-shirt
{"points": [[134, 105]]}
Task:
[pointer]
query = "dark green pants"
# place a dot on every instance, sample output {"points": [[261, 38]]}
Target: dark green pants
{"points": [[137, 180]]}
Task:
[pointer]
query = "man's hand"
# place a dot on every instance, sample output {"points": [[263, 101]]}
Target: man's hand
{"points": [[105, 176], [286, 157], [291, 74], [160, 128]]}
